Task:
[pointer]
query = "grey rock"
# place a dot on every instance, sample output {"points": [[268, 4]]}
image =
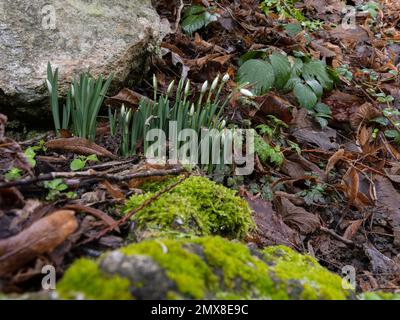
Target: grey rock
{"points": [[148, 280], [96, 36]]}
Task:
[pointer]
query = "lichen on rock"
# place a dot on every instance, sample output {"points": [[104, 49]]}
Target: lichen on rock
{"points": [[196, 207], [200, 268]]}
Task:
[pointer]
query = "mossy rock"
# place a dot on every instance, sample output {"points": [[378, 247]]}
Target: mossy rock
{"points": [[200, 268], [196, 207]]}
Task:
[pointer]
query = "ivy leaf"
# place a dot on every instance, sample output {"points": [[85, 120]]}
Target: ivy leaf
{"points": [[305, 96], [282, 69], [259, 73]]}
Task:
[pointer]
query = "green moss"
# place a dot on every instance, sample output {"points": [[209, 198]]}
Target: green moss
{"points": [[379, 295], [243, 274], [316, 281], [190, 273], [84, 277], [213, 268], [197, 206]]}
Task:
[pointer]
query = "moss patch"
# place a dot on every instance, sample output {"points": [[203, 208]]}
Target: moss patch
{"points": [[303, 271], [197, 206], [379, 295], [210, 268], [85, 278]]}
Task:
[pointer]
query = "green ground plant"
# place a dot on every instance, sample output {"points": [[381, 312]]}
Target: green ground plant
{"points": [[306, 78], [84, 99]]}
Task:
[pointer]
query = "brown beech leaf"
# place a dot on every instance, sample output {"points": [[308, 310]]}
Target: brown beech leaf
{"points": [[79, 146], [352, 229], [352, 182], [127, 97], [40, 238], [297, 217], [335, 158], [270, 227], [305, 131], [389, 199], [113, 190], [272, 104]]}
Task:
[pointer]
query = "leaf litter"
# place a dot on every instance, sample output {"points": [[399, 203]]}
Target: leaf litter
{"points": [[335, 196]]}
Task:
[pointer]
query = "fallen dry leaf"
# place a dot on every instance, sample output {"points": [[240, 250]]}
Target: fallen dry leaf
{"points": [[297, 217], [40, 238], [79, 146], [335, 158], [352, 229], [270, 227]]}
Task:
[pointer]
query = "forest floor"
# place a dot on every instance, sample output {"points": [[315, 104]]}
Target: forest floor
{"points": [[329, 187]]}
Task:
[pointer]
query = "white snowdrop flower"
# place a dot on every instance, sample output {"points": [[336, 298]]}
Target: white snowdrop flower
{"points": [[170, 87], [154, 81], [187, 87], [72, 91], [191, 112], [204, 87], [223, 124], [226, 78], [215, 83], [246, 93]]}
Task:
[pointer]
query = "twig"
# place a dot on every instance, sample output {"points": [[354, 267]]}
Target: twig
{"points": [[136, 210], [338, 237], [92, 174], [179, 15]]}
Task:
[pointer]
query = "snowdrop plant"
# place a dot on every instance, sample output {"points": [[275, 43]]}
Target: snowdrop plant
{"points": [[84, 99], [205, 112]]}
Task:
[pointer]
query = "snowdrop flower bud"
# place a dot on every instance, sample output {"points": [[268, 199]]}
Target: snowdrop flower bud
{"points": [[246, 93], [215, 83], [128, 117], [187, 88], [223, 124], [49, 86], [226, 78], [204, 87], [191, 112], [170, 87], [154, 81]]}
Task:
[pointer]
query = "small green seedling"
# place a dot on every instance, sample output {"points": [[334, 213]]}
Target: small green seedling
{"points": [[13, 174], [55, 187], [81, 161], [30, 153]]}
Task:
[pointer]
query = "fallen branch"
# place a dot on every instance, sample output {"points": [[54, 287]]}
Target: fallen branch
{"points": [[90, 174]]}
